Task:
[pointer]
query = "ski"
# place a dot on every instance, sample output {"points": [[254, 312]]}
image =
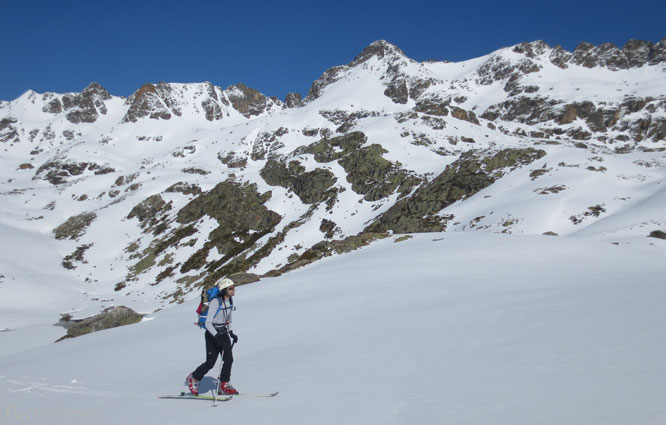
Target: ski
{"points": [[257, 395], [184, 396]]}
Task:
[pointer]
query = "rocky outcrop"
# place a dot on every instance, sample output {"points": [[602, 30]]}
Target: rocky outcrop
{"points": [[111, 317], [368, 172], [658, 234], [598, 119], [146, 102], [380, 49], [249, 102], [311, 187], [498, 68], [293, 100], [266, 143], [8, 132], [329, 76], [58, 171], [464, 115], [328, 248], [398, 92], [212, 110], [150, 210], [634, 54], [472, 172], [84, 107], [184, 188], [346, 120], [164, 101], [242, 217], [433, 106], [211, 104], [75, 226]]}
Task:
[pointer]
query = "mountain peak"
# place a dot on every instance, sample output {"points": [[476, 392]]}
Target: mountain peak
{"points": [[379, 48]]}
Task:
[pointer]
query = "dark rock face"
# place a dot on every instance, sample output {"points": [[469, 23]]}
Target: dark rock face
{"points": [[8, 132], [311, 187], [634, 54], [211, 105], [266, 143], [346, 120], [76, 256], [532, 49], [110, 318], [75, 226], [249, 102], [58, 172], [81, 108], [398, 92], [433, 106], [378, 48], [659, 234], [369, 173], [184, 188], [529, 110], [146, 102], [598, 118], [464, 115], [231, 202], [462, 179], [212, 110], [498, 68], [328, 248], [293, 100], [149, 210], [242, 218], [658, 53]]}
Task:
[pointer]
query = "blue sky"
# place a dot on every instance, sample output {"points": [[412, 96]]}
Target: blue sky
{"points": [[278, 46]]}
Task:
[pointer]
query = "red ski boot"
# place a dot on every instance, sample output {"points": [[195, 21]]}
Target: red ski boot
{"points": [[193, 384], [226, 389]]}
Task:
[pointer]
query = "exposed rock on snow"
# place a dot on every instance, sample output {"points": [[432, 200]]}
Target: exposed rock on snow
{"points": [[112, 317]]}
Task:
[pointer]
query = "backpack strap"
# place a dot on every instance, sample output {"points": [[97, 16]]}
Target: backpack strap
{"points": [[219, 306]]}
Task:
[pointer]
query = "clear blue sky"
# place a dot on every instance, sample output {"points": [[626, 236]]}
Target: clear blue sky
{"points": [[278, 46]]}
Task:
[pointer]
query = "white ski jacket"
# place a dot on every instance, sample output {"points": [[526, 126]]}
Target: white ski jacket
{"points": [[215, 322]]}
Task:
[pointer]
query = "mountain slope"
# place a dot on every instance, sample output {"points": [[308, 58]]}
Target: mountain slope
{"points": [[142, 200], [479, 328]]}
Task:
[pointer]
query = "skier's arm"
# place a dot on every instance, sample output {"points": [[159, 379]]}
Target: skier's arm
{"points": [[212, 309]]}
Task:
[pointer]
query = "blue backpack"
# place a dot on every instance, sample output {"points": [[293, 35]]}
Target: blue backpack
{"points": [[206, 297]]}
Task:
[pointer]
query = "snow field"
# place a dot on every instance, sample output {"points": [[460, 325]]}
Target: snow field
{"points": [[478, 329]]}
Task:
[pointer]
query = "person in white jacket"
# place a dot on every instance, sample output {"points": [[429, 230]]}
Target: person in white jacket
{"points": [[219, 337]]}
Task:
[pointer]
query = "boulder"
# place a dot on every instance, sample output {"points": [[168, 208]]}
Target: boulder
{"points": [[110, 318]]}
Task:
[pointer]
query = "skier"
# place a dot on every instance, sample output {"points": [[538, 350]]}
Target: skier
{"points": [[218, 340]]}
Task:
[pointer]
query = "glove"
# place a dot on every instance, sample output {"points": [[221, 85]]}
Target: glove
{"points": [[233, 337]]}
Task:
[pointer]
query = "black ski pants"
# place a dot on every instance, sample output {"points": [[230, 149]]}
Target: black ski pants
{"points": [[212, 351]]}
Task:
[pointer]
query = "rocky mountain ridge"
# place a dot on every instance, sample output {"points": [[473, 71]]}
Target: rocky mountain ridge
{"points": [[155, 195]]}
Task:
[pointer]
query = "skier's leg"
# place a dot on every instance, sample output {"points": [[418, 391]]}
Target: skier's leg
{"points": [[227, 359], [212, 350]]}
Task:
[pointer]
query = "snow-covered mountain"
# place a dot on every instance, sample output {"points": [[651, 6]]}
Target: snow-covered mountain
{"points": [[140, 201]]}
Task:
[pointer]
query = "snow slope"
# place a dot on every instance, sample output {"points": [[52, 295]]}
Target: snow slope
{"points": [[455, 328], [143, 157]]}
